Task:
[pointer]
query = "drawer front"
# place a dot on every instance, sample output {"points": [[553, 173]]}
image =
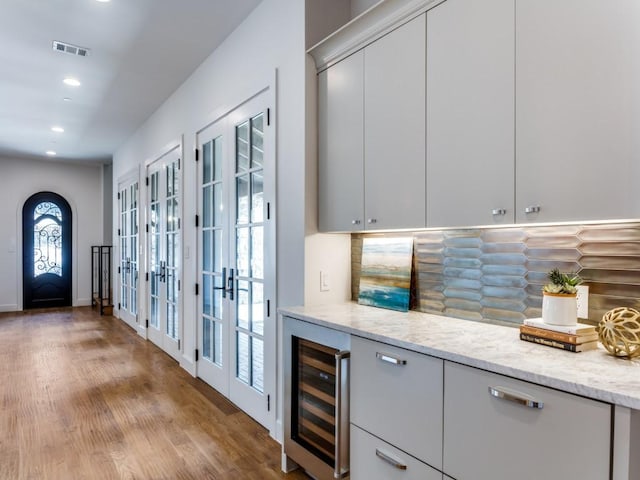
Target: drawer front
{"points": [[374, 459], [397, 395], [502, 434]]}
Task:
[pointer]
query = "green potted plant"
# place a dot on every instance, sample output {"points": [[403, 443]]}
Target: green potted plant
{"points": [[559, 305]]}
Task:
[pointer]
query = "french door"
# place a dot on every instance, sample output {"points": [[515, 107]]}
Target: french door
{"points": [[236, 334], [164, 252], [128, 265]]}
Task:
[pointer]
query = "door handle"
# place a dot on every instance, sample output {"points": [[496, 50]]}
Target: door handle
{"points": [[223, 288], [163, 272], [231, 284]]}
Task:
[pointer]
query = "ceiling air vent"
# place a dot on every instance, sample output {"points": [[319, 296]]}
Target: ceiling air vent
{"points": [[70, 49]]}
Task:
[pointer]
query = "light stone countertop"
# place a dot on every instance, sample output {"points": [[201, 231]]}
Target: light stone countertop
{"points": [[594, 374]]}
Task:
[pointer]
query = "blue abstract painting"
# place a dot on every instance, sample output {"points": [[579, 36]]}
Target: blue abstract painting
{"points": [[385, 280]]}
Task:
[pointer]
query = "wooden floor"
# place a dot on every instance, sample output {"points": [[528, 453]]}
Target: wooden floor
{"points": [[84, 397]]}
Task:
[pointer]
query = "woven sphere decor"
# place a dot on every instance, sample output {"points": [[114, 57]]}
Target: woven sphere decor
{"points": [[619, 332]]}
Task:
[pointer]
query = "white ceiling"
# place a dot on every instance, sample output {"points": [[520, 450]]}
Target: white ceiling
{"points": [[141, 51]]}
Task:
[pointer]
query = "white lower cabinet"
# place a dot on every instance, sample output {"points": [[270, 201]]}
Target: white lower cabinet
{"points": [[396, 395], [374, 459], [499, 428]]}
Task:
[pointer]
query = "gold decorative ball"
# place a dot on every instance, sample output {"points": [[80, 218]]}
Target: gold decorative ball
{"points": [[619, 332]]}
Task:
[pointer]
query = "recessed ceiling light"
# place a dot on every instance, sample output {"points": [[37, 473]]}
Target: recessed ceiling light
{"points": [[103, 1], [72, 82], [51, 153], [66, 99], [57, 129]]}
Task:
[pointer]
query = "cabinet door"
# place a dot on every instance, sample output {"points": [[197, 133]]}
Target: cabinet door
{"points": [[396, 395], [340, 148], [394, 135], [577, 109], [492, 438], [470, 116], [374, 459]]}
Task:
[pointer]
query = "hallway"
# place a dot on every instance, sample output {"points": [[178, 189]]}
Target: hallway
{"points": [[84, 397]]}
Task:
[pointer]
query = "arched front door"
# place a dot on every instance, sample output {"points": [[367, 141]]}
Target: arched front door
{"points": [[46, 251]]}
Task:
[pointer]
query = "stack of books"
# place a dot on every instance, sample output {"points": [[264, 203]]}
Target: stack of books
{"points": [[575, 338]]}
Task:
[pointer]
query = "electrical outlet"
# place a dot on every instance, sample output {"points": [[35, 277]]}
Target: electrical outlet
{"points": [[582, 299]]}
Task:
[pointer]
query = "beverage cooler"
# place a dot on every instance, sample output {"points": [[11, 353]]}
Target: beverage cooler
{"points": [[317, 399]]}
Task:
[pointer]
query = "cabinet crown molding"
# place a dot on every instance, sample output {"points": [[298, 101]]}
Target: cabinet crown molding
{"points": [[380, 19]]}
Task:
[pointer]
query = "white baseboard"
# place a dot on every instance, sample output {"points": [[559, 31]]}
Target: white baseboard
{"points": [[9, 308], [82, 302]]}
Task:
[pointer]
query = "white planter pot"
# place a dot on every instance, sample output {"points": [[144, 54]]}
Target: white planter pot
{"points": [[559, 309]]}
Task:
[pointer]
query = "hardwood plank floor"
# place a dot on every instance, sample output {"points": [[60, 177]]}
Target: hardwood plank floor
{"points": [[84, 397]]}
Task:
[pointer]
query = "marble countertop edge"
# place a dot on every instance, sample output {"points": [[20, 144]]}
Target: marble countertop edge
{"points": [[496, 348]]}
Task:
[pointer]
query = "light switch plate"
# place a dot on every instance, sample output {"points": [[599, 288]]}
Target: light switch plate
{"points": [[324, 281]]}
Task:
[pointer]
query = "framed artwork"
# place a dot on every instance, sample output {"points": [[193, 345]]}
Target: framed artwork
{"points": [[385, 280]]}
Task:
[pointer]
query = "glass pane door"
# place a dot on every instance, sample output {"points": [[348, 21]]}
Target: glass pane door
{"points": [[172, 245], [164, 253], [236, 285], [213, 328], [249, 312], [155, 219], [128, 265]]}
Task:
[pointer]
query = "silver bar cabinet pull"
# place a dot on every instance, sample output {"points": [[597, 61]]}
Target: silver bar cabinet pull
{"points": [[342, 419], [372, 220], [385, 357], [532, 209], [519, 398], [391, 461], [498, 211], [355, 222]]}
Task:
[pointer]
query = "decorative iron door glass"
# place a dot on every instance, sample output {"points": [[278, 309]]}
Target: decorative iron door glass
{"points": [[46, 220]]}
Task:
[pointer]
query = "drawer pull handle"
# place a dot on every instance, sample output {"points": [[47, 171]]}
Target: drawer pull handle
{"points": [[532, 209], [519, 398], [385, 357], [499, 211], [391, 461]]}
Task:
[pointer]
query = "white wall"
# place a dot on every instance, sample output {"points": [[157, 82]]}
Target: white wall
{"points": [[268, 44], [81, 186], [327, 253], [272, 38]]}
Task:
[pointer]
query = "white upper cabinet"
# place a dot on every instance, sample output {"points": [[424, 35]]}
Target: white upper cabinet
{"points": [[371, 142], [394, 134], [340, 147], [470, 113], [577, 109]]}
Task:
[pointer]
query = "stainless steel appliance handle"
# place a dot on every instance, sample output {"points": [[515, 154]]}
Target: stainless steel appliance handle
{"points": [[340, 430], [519, 398], [385, 357], [391, 461]]}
